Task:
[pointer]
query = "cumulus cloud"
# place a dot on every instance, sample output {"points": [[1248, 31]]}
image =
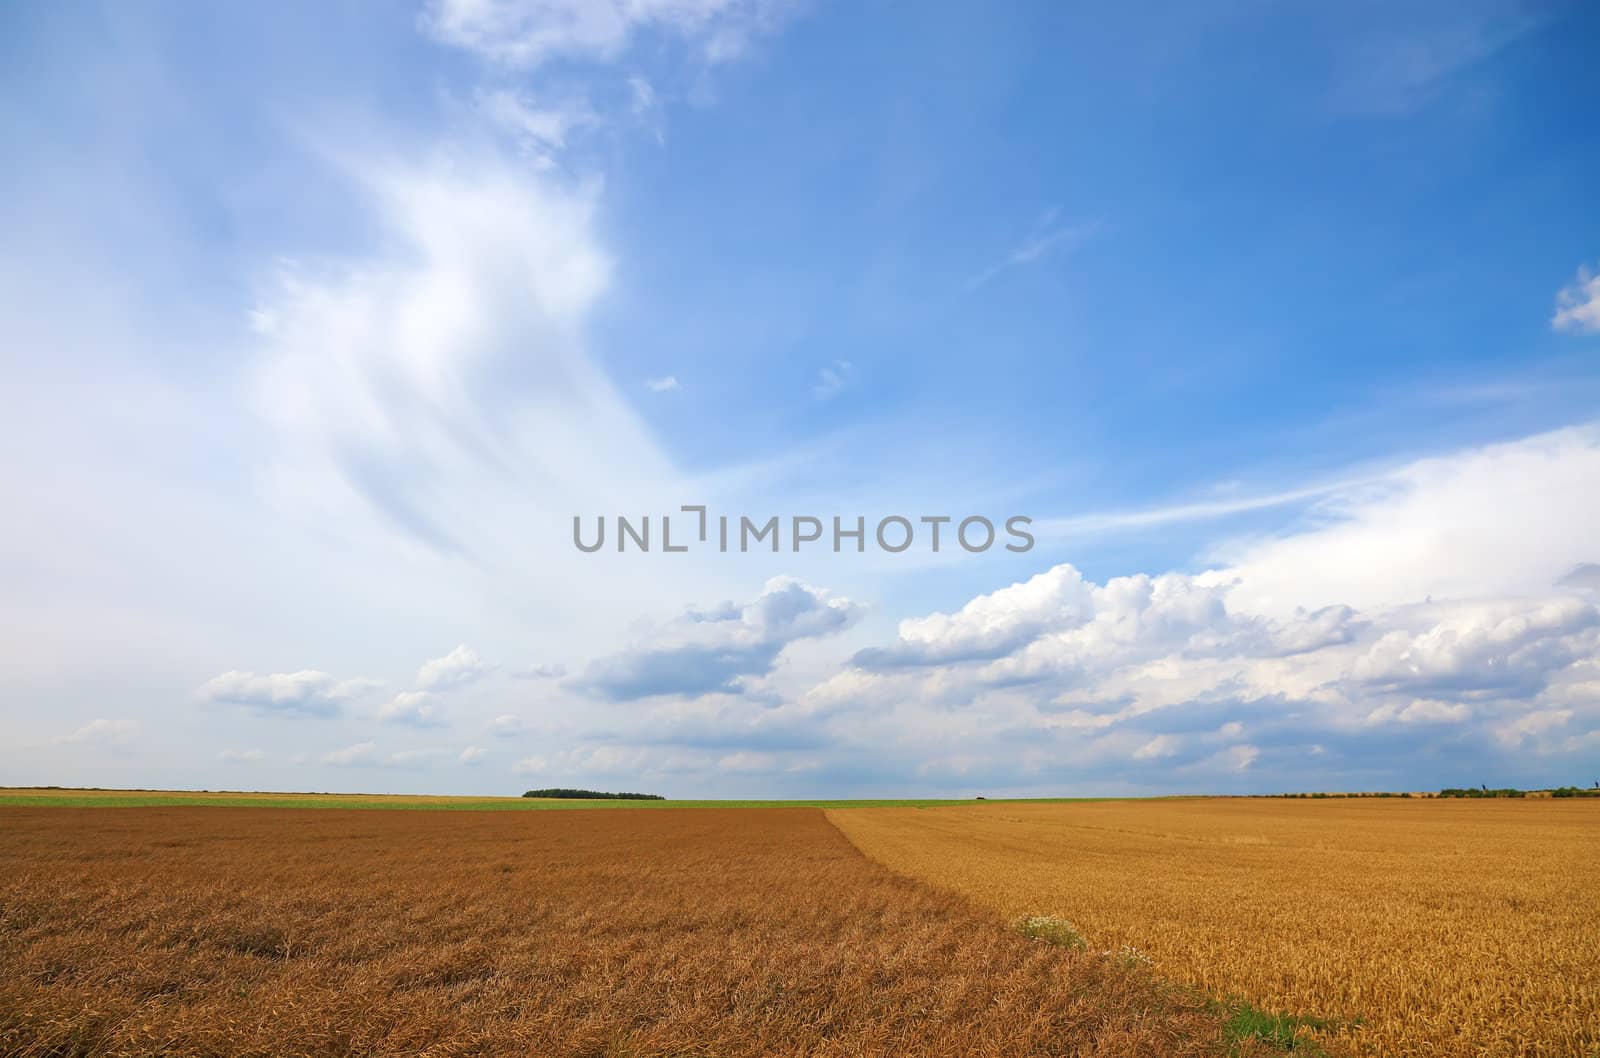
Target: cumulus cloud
{"points": [[1578, 305], [102, 732], [413, 708], [1528, 726], [1431, 619], [1502, 519], [539, 672], [665, 384], [1504, 648], [1585, 576], [358, 753], [415, 758], [307, 692], [529, 33], [460, 667], [1238, 758], [508, 725], [1420, 711], [1159, 746], [1141, 672], [241, 756], [990, 626], [1056, 623], [717, 650], [472, 755]]}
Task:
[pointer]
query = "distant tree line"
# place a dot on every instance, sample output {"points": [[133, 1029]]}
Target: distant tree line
{"points": [[1324, 796], [593, 795], [1559, 791], [1469, 792]]}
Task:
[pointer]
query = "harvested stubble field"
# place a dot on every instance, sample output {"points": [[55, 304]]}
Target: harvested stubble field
{"points": [[222, 931], [1448, 928]]}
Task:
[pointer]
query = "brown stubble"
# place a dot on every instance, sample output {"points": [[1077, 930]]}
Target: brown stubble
{"points": [[214, 931]]}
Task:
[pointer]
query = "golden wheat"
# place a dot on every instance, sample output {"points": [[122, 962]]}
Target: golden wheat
{"points": [[1447, 928]]}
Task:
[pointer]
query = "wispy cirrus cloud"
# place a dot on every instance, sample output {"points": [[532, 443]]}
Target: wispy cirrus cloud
{"points": [[1400, 67], [541, 127], [1047, 236]]}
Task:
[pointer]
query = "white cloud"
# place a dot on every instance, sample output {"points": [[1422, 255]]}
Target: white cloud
{"points": [[644, 96], [241, 756], [1585, 576], [1197, 511], [1058, 625], [415, 708], [507, 725], [1047, 235], [438, 396], [1160, 746], [1578, 305], [460, 667], [1504, 519], [716, 650], [402, 386], [991, 625], [833, 379], [749, 762], [1420, 711], [540, 672], [472, 755], [415, 758], [1238, 758], [1482, 649], [666, 384], [359, 753], [1404, 65], [306, 692], [1444, 606], [541, 128], [528, 33], [1532, 725], [1099, 656], [102, 731]]}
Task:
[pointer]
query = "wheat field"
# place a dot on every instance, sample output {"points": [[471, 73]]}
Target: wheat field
{"points": [[1439, 929], [591, 934]]}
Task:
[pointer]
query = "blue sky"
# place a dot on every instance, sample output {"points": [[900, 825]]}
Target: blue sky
{"points": [[321, 326]]}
